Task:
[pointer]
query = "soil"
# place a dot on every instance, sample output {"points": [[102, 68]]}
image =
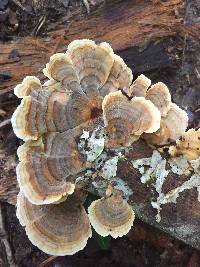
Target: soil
{"points": [[144, 245]]}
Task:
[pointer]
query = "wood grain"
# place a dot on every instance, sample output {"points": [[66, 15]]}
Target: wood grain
{"points": [[124, 24]]}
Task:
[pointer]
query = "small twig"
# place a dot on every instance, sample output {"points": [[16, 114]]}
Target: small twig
{"points": [[5, 241], [60, 39], [87, 5], [197, 72], [184, 47], [47, 261], [19, 5], [4, 123], [39, 25]]}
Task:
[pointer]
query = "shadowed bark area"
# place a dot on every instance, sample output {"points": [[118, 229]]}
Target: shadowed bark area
{"points": [[123, 24], [181, 220]]}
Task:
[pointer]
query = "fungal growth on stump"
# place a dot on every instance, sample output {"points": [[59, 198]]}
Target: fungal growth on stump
{"points": [[188, 145], [87, 108]]}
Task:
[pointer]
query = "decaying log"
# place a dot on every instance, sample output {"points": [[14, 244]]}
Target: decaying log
{"points": [[8, 259], [124, 24], [8, 181], [181, 220]]}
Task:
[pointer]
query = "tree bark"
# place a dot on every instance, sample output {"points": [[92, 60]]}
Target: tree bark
{"points": [[123, 24], [180, 220]]}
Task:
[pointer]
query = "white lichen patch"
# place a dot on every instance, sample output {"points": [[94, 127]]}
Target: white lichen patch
{"points": [[155, 167], [104, 167], [109, 169], [85, 135], [147, 166], [172, 195], [100, 161], [100, 185], [196, 165], [92, 144], [119, 184], [161, 174], [179, 165], [193, 182]]}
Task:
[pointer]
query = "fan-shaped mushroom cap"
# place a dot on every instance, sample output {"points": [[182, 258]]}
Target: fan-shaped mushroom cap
{"points": [[19, 120], [47, 164], [171, 128], [28, 84], [120, 77], [92, 64], [48, 111], [60, 68], [57, 229], [139, 86], [111, 216], [159, 95], [187, 145], [126, 119], [87, 66]]}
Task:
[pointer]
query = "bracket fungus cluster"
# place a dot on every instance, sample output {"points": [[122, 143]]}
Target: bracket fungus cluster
{"points": [[88, 87], [188, 145]]}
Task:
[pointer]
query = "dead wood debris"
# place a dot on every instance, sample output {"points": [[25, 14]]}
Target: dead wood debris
{"points": [[4, 239], [47, 261], [4, 123]]}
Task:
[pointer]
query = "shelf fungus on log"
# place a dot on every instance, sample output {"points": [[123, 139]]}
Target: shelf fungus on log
{"points": [[28, 84], [111, 215], [50, 111], [174, 120], [120, 77], [126, 119], [187, 145], [46, 166], [87, 106], [158, 93], [171, 127], [140, 86], [58, 229]]}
